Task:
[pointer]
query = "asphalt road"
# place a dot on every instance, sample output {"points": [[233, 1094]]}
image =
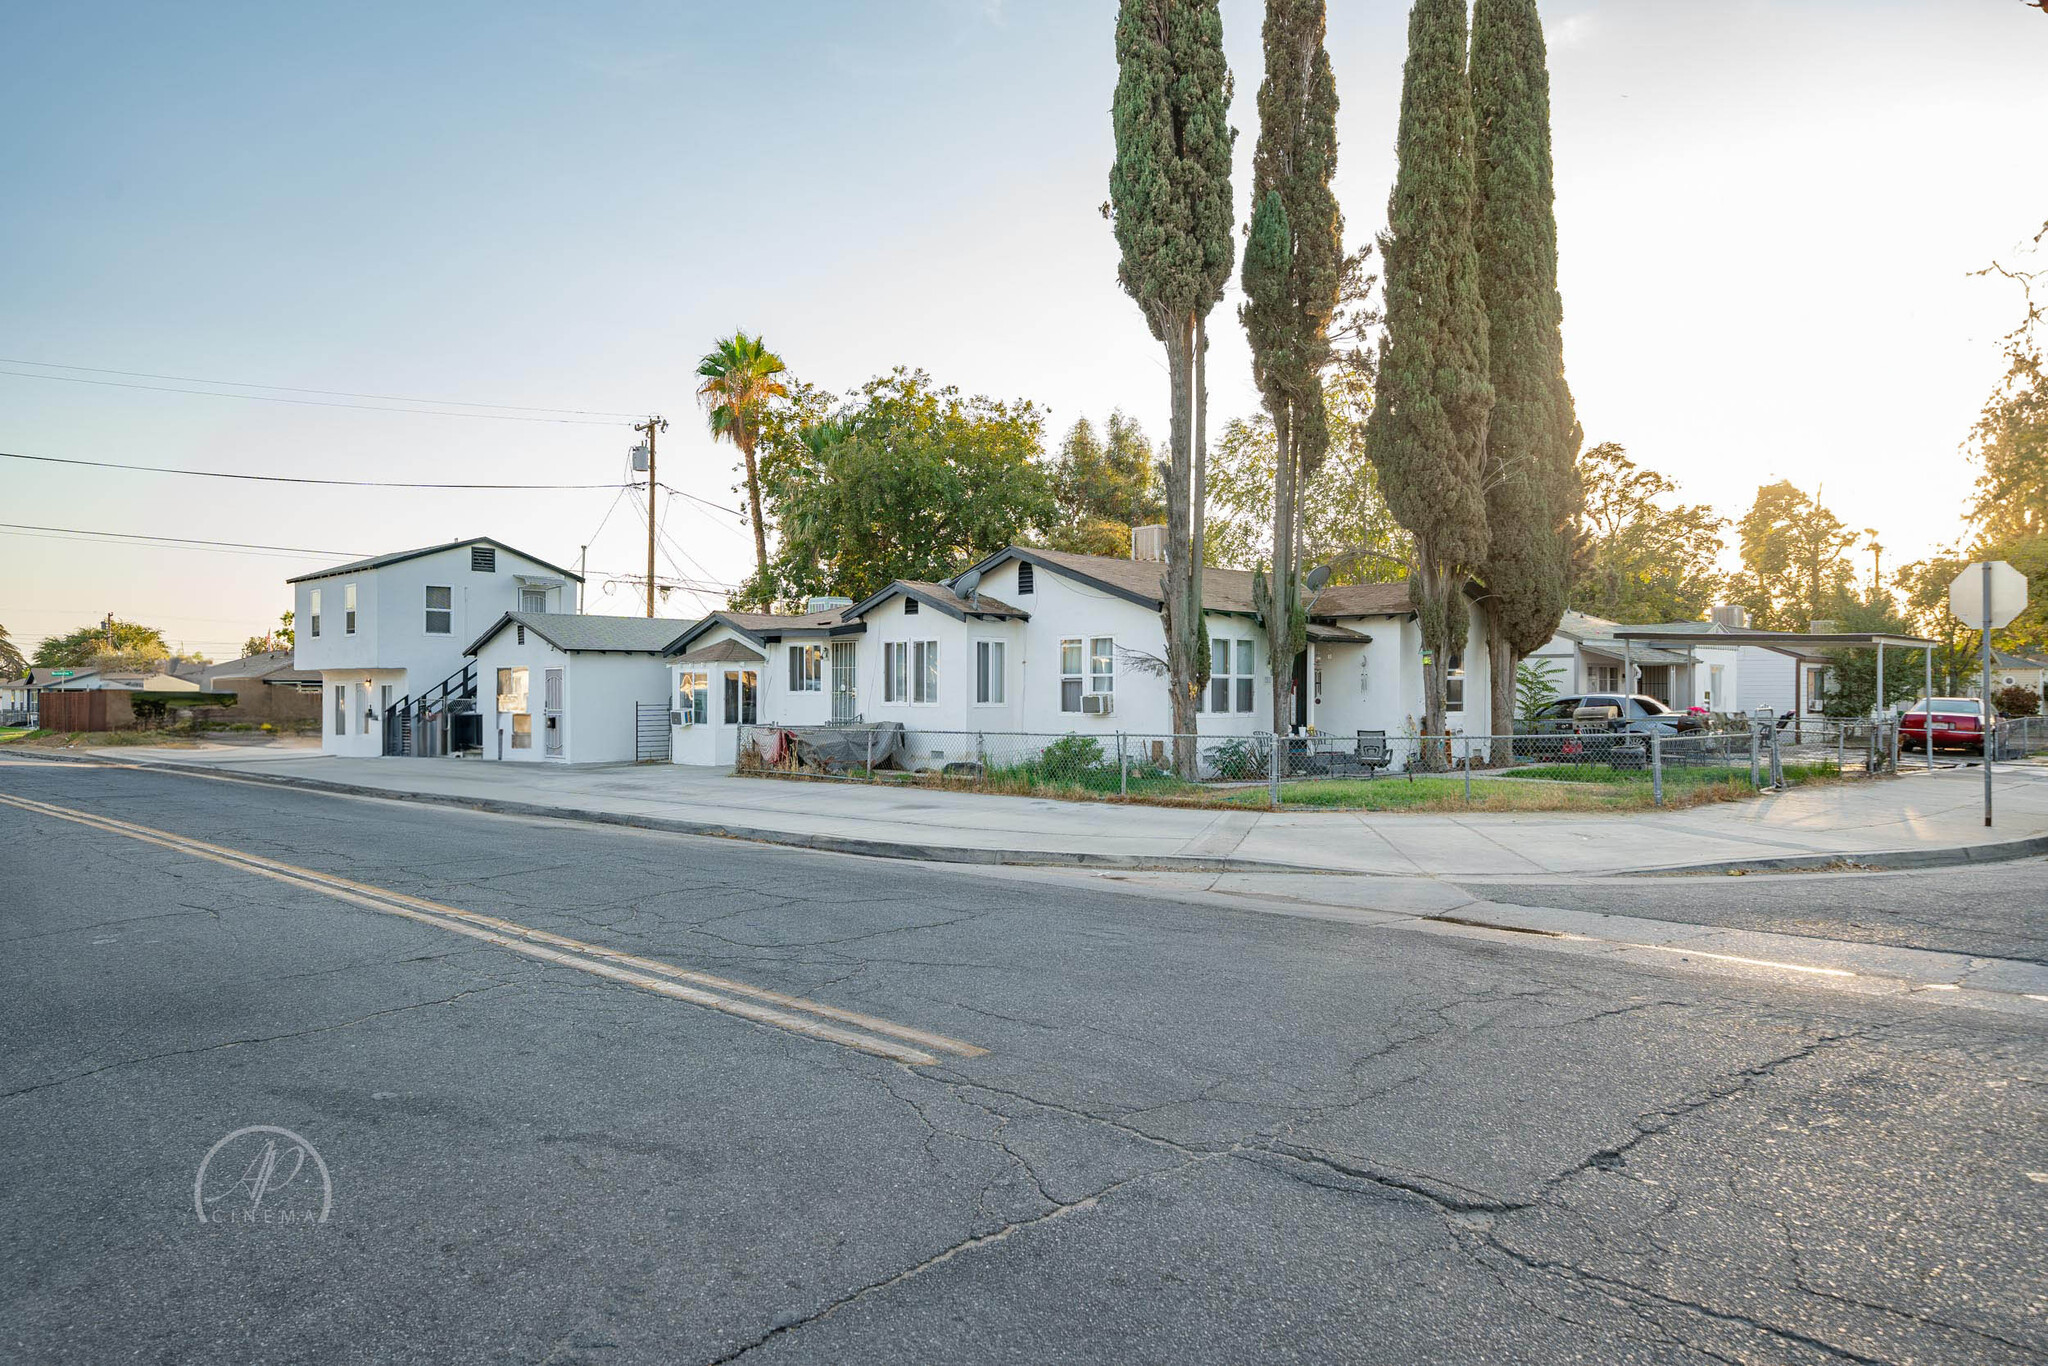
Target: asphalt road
{"points": [[1196, 1135]]}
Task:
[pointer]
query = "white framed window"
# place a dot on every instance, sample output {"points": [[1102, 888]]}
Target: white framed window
{"points": [[511, 691], [1230, 675], [1087, 665], [341, 709], [895, 671], [989, 658], [440, 610], [693, 697], [348, 609], [807, 668], [1603, 677], [924, 672], [1454, 683], [533, 599], [313, 617]]}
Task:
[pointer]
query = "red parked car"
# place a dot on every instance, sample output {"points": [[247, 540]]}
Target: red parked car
{"points": [[1958, 724]]}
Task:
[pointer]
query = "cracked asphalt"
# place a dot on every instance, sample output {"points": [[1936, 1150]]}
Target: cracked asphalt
{"points": [[1199, 1134]]}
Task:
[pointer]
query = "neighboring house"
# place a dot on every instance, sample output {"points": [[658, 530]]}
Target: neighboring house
{"points": [[84, 679], [571, 689], [388, 632], [1050, 643], [2022, 671], [14, 701], [1731, 678]]}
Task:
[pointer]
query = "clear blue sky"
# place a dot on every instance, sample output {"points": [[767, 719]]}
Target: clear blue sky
{"points": [[1768, 215]]}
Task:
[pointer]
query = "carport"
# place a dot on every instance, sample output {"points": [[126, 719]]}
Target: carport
{"points": [[1802, 641]]}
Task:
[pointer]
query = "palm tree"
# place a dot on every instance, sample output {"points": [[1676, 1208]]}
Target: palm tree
{"points": [[12, 665], [740, 380]]}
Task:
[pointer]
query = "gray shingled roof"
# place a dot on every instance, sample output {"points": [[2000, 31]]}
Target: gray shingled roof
{"points": [[1223, 590], [574, 633], [727, 651], [396, 556]]}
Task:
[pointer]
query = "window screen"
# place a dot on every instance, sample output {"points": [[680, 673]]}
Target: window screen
{"points": [[440, 610]]}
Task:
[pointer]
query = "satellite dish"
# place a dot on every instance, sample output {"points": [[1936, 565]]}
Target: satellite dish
{"points": [[968, 584], [1317, 577]]}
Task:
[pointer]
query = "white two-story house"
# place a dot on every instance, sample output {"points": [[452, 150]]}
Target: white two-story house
{"points": [[1050, 643], [389, 632]]}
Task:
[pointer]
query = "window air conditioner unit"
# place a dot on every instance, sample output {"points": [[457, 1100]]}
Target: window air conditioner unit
{"points": [[1098, 703], [675, 718]]}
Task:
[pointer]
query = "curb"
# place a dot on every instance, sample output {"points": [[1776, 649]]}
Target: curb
{"points": [[1880, 861], [830, 844]]}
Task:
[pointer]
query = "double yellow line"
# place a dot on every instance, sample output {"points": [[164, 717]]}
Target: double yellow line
{"points": [[761, 1005]]}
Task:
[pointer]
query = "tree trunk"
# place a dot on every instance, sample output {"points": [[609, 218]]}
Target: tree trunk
{"points": [[1183, 565], [1501, 663], [1280, 598], [746, 445], [1433, 605]]}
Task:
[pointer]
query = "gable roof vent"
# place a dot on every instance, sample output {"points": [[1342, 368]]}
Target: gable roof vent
{"points": [[1027, 578], [909, 607], [483, 559]]}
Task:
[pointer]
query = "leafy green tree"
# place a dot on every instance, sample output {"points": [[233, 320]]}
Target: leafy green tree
{"points": [[1428, 430], [1170, 207], [109, 644], [1104, 486], [742, 379], [2016, 699], [1924, 586], [1795, 560], [1345, 523], [12, 665], [1533, 495], [1852, 674], [280, 638], [1642, 557], [2011, 434], [908, 480], [1536, 687], [1293, 276]]}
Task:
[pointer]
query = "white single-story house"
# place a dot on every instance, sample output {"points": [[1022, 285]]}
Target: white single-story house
{"points": [[1051, 643], [385, 636], [565, 688], [87, 679], [1733, 678]]}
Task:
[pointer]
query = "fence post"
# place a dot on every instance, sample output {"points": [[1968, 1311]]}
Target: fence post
{"points": [[871, 753], [1273, 773], [1123, 768], [1657, 767], [1468, 774], [1778, 760], [1755, 777]]}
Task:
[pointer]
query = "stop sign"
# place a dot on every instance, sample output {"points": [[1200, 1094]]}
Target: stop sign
{"points": [[2008, 598]]}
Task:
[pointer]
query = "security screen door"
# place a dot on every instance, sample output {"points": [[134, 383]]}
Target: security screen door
{"points": [[845, 697], [551, 703]]}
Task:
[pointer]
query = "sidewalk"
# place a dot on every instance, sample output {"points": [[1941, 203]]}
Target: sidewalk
{"points": [[1915, 820]]}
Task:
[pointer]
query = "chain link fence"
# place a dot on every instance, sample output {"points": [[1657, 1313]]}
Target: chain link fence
{"points": [[1764, 755]]}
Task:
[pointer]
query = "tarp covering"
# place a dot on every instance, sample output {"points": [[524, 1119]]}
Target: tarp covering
{"points": [[830, 747]]}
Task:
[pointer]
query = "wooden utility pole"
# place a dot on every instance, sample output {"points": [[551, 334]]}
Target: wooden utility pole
{"points": [[650, 427]]}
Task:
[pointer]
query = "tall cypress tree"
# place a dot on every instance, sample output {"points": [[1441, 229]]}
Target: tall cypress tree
{"points": [[1533, 494], [1169, 202], [1428, 432], [1293, 267]]}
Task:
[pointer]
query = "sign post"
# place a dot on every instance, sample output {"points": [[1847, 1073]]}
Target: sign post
{"points": [[1984, 597]]}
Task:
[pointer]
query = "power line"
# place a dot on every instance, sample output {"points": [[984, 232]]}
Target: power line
{"points": [[682, 493], [291, 478], [294, 389], [166, 542], [318, 402]]}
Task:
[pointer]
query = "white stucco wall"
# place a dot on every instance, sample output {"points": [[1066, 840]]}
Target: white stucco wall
{"points": [[391, 642], [599, 692]]}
